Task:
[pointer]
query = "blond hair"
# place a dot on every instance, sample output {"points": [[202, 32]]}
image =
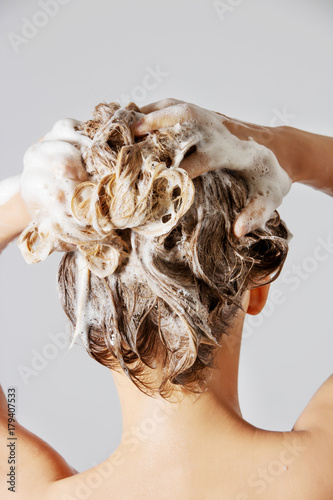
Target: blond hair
{"points": [[167, 271]]}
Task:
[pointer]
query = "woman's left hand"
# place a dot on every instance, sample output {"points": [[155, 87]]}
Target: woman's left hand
{"points": [[226, 143]]}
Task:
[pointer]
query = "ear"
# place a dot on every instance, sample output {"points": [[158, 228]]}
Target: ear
{"points": [[257, 299]]}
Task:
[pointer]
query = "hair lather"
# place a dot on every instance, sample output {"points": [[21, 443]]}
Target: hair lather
{"points": [[163, 274], [173, 286], [131, 185]]}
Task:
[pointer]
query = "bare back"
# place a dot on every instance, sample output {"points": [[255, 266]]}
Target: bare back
{"points": [[238, 463]]}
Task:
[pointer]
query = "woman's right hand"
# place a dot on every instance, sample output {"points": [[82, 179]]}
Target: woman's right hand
{"points": [[218, 146]]}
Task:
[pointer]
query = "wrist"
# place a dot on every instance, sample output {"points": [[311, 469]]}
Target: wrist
{"points": [[282, 141], [14, 218], [311, 156], [289, 150]]}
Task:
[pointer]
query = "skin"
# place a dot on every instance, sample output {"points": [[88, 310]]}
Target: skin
{"points": [[196, 447], [304, 156]]}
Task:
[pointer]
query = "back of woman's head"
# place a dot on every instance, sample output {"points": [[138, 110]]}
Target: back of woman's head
{"points": [[171, 295]]}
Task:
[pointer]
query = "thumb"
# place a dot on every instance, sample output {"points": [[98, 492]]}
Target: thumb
{"points": [[253, 216]]}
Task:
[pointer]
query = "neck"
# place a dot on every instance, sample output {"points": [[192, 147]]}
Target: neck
{"points": [[153, 419]]}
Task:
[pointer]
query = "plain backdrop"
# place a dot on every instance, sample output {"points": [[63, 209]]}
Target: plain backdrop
{"points": [[266, 62]]}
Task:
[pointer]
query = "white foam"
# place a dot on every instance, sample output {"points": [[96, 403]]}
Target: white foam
{"points": [[64, 130], [268, 183], [266, 179], [53, 168], [82, 300]]}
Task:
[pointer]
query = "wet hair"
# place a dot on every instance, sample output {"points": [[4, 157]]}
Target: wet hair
{"points": [[169, 300]]}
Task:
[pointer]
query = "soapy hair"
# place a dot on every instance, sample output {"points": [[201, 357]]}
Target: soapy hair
{"points": [[130, 185], [168, 274]]}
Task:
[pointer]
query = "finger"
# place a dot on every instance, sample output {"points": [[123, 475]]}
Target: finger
{"points": [[196, 164], [155, 106], [254, 215], [166, 117]]}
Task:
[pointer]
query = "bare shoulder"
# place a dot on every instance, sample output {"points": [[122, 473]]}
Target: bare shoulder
{"points": [[28, 465], [316, 423], [275, 465], [300, 462], [291, 465], [318, 414], [317, 420]]}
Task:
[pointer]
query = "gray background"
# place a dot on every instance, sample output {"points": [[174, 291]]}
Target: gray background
{"points": [[267, 62]]}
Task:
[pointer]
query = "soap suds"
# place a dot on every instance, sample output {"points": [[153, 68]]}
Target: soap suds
{"points": [[82, 300], [82, 184], [84, 181], [267, 181]]}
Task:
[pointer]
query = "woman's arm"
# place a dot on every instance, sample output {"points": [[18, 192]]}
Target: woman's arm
{"points": [[37, 465], [257, 152], [306, 157], [14, 217]]}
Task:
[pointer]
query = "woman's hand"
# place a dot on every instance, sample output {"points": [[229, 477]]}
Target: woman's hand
{"points": [[218, 146], [52, 170]]}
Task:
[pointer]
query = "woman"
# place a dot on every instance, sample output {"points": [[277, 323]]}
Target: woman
{"points": [[158, 288]]}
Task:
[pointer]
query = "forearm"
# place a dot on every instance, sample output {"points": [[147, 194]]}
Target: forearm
{"points": [[14, 217], [311, 156], [306, 157]]}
